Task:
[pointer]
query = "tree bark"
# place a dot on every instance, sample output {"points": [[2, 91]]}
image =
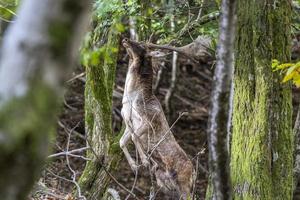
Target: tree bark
{"points": [[262, 139], [219, 119], [296, 131], [100, 77], [37, 54]]}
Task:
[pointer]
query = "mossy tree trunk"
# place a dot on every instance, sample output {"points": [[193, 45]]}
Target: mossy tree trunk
{"points": [[37, 54], [100, 75], [262, 139]]}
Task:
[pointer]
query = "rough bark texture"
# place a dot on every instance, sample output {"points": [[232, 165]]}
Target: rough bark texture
{"points": [[98, 114], [297, 149], [220, 109], [262, 139], [38, 51]]}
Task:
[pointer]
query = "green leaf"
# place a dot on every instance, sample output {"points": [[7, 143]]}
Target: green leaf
{"points": [[120, 27], [289, 76], [293, 68], [275, 64], [283, 66]]}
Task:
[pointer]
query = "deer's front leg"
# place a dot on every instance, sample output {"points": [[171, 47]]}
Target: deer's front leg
{"points": [[123, 141]]}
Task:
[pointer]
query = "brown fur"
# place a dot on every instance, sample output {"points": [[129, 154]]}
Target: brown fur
{"points": [[146, 125]]}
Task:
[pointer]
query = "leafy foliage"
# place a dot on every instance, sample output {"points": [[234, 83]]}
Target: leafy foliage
{"points": [[107, 17], [291, 71], [7, 10]]}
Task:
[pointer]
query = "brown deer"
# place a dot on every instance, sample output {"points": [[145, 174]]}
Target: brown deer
{"points": [[147, 126]]}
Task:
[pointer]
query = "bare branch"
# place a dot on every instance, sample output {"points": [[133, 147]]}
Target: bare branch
{"points": [[65, 153]]}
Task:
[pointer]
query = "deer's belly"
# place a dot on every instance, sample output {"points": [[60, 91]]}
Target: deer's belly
{"points": [[131, 116]]}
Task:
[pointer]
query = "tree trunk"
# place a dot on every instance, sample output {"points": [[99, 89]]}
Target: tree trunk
{"points": [[262, 139], [38, 51], [100, 76], [220, 113]]}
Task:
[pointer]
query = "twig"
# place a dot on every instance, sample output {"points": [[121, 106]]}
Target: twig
{"points": [[195, 180], [200, 11], [76, 77], [80, 196], [60, 177], [165, 135], [69, 106], [67, 130], [203, 20], [204, 170], [68, 152], [135, 177]]}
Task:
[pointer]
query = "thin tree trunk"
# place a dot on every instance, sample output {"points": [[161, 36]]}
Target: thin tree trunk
{"points": [[220, 110], [297, 150], [262, 139], [132, 29], [37, 54], [172, 87]]}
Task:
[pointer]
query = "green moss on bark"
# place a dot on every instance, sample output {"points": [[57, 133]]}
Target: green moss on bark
{"points": [[261, 149], [98, 111]]}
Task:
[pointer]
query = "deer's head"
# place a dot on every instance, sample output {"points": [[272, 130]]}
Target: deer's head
{"points": [[140, 51], [134, 49]]}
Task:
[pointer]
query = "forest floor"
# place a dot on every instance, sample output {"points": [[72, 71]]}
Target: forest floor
{"points": [[191, 95]]}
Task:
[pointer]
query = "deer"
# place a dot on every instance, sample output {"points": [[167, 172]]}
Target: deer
{"points": [[147, 127]]}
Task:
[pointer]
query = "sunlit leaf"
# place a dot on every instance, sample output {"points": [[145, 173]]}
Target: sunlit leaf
{"points": [[289, 76], [282, 66]]}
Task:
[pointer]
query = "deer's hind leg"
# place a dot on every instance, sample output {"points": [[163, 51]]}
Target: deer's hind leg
{"points": [[167, 183], [144, 128], [123, 142]]}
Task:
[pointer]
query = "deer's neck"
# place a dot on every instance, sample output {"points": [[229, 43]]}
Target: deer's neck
{"points": [[138, 78]]}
